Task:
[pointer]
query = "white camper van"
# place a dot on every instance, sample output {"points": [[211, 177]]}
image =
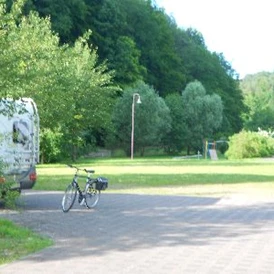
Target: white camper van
{"points": [[19, 140]]}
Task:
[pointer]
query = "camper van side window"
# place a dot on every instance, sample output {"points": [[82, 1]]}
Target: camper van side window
{"points": [[20, 132], [15, 133]]}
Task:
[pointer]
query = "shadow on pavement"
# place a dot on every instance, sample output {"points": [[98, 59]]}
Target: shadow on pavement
{"points": [[124, 222]]}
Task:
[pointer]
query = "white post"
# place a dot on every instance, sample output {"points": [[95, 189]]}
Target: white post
{"points": [[135, 95]]}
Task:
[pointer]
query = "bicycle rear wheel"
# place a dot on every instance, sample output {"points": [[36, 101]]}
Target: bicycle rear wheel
{"points": [[69, 197], [92, 196]]}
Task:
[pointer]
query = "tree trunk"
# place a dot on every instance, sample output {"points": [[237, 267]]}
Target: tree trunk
{"points": [[74, 153], [188, 150]]}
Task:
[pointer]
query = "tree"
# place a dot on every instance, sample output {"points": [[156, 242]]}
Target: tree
{"points": [[175, 140], [152, 118], [87, 92], [73, 92], [260, 119], [67, 16], [28, 52], [125, 61], [153, 32], [203, 114]]}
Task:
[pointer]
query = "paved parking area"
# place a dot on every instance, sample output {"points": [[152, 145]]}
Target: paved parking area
{"points": [[148, 234]]}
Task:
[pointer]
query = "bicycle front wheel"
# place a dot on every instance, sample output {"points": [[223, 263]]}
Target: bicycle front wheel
{"points": [[69, 197], [92, 196]]}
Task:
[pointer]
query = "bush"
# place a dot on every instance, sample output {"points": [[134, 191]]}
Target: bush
{"points": [[50, 145], [8, 196], [248, 144]]}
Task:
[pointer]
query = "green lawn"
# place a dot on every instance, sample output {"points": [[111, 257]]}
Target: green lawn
{"points": [[168, 175]]}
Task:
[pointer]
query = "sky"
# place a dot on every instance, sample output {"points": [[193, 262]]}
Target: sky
{"points": [[240, 29]]}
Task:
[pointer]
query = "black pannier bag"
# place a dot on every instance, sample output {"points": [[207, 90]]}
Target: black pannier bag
{"points": [[101, 183]]}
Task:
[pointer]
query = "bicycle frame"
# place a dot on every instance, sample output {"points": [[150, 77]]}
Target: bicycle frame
{"points": [[81, 193], [89, 196]]}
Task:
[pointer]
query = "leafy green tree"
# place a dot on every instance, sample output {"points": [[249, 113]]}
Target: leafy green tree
{"points": [[125, 61], [150, 33], [67, 16], [232, 97], [85, 93], [72, 90], [203, 114], [28, 51], [114, 43], [152, 118], [175, 140], [216, 75], [153, 32]]}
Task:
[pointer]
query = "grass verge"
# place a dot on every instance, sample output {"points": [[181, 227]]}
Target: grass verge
{"points": [[17, 242]]}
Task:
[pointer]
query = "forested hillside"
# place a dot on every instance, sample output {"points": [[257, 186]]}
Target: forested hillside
{"points": [[140, 41], [130, 42], [262, 82], [258, 92]]}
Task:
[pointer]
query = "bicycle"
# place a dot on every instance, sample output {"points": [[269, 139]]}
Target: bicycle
{"points": [[89, 196]]}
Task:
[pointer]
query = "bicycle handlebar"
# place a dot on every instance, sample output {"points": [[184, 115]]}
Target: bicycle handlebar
{"points": [[83, 169]]}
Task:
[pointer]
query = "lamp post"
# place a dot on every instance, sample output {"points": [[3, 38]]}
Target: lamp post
{"points": [[136, 96]]}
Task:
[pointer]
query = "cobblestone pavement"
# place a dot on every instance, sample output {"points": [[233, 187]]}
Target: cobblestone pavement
{"points": [[148, 234]]}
